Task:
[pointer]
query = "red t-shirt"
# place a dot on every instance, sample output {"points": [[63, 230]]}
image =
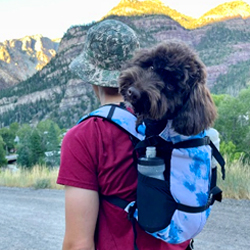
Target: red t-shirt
{"points": [[97, 155]]}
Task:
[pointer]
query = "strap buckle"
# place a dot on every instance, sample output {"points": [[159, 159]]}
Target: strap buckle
{"points": [[131, 212]]}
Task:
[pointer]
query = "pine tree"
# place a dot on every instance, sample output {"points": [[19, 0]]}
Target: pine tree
{"points": [[8, 137], [24, 155], [24, 148], [3, 160], [53, 145], [37, 148]]}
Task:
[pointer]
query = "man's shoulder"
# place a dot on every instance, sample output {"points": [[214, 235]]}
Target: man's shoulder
{"points": [[91, 125]]}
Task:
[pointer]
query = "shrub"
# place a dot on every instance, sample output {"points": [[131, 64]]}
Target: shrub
{"points": [[42, 183]]}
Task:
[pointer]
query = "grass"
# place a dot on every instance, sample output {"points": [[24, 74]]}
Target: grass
{"points": [[38, 177], [236, 185]]}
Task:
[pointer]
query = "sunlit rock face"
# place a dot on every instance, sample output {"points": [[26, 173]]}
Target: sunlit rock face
{"points": [[21, 58]]}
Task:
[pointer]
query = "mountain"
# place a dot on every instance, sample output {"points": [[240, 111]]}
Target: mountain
{"points": [[229, 10], [226, 11], [222, 12], [148, 7], [21, 58], [55, 93]]}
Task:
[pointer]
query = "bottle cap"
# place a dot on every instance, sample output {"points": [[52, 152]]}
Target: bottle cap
{"points": [[150, 152]]}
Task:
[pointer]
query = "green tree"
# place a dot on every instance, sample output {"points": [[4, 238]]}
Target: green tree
{"points": [[51, 134], [30, 149], [44, 126], [14, 127], [8, 137], [218, 99], [53, 146], [24, 132], [24, 155], [229, 149], [3, 160], [23, 148], [233, 121], [37, 148]]}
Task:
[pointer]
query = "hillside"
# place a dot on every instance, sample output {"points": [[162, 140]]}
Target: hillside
{"points": [[55, 93]]}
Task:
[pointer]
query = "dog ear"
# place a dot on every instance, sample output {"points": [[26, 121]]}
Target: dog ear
{"points": [[198, 112], [141, 58]]}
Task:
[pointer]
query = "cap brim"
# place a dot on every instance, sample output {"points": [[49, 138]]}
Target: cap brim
{"points": [[89, 73]]}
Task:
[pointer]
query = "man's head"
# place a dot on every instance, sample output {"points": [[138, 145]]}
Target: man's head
{"points": [[108, 45]]}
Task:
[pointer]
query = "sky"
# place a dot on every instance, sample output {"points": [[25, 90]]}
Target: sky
{"points": [[52, 18]]}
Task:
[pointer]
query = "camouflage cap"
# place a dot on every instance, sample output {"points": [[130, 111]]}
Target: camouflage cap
{"points": [[108, 45]]}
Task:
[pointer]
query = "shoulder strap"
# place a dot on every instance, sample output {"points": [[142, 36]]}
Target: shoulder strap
{"points": [[118, 116], [217, 155]]}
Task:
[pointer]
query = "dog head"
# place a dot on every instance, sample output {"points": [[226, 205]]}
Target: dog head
{"points": [[168, 81]]}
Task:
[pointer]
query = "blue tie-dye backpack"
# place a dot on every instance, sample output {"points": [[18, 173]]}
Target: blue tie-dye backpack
{"points": [[176, 209]]}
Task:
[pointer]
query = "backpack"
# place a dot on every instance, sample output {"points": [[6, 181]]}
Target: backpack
{"points": [[177, 208]]}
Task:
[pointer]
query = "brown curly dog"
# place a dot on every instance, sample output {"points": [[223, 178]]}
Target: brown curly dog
{"points": [[168, 82]]}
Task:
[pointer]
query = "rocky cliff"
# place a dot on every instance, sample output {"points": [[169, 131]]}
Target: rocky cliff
{"points": [[55, 93], [21, 58]]}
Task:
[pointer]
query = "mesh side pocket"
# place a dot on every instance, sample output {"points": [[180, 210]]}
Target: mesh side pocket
{"points": [[155, 204]]}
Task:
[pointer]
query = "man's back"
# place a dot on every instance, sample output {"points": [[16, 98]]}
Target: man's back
{"points": [[102, 156]]}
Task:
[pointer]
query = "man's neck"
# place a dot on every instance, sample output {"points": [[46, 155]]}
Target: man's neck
{"points": [[105, 99]]}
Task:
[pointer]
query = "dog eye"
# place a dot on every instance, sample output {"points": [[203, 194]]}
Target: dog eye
{"points": [[151, 68]]}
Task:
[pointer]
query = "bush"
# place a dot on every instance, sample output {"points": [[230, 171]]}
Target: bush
{"points": [[230, 151], [42, 183]]}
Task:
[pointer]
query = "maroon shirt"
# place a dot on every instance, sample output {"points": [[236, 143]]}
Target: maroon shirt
{"points": [[97, 155]]}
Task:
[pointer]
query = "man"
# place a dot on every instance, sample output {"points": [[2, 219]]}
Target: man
{"points": [[97, 156]]}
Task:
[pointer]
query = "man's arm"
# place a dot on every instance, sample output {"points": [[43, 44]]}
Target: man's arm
{"points": [[81, 212]]}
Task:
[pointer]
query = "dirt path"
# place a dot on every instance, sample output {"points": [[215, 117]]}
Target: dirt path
{"points": [[34, 220], [228, 227]]}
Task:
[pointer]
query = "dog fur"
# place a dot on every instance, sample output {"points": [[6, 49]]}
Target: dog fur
{"points": [[168, 82]]}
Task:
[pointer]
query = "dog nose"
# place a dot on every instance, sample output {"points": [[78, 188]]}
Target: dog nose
{"points": [[133, 93]]}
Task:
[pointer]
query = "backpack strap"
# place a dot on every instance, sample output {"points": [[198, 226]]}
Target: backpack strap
{"points": [[115, 201], [217, 155], [117, 115], [123, 205], [157, 140], [215, 194], [200, 142], [150, 141], [126, 121]]}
